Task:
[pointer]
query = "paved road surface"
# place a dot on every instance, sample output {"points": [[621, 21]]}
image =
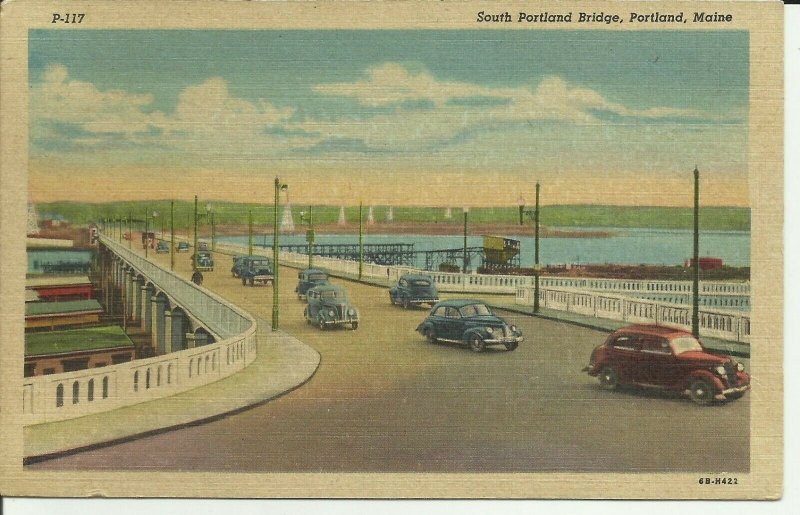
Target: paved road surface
{"points": [[384, 400]]}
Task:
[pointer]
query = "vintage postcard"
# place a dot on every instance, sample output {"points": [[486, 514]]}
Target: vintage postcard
{"points": [[412, 249]]}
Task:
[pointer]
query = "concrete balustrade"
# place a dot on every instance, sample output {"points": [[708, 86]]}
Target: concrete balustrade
{"points": [[728, 325], [223, 343]]}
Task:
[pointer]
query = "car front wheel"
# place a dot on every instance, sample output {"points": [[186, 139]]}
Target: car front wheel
{"points": [[430, 335], [321, 323], [608, 378], [354, 325], [701, 392], [511, 346], [476, 343]]}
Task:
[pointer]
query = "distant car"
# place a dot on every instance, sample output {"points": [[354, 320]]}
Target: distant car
{"points": [[202, 246], [182, 247], [670, 359], [414, 290], [328, 305], [257, 271], [469, 322], [205, 263], [240, 263], [309, 278], [162, 247]]}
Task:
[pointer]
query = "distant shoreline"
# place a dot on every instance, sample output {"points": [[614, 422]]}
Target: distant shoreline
{"points": [[426, 228]]}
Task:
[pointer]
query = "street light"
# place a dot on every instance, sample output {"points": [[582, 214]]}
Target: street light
{"points": [[276, 265], [147, 230], [466, 259], [536, 266], [210, 213], [696, 256], [521, 202], [309, 233]]}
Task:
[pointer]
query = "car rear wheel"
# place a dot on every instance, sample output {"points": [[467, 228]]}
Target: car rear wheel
{"points": [[244, 281], [608, 378], [354, 325], [252, 281], [476, 343], [511, 346], [701, 392], [406, 304], [430, 335]]}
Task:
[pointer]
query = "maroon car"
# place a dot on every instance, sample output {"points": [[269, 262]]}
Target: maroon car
{"points": [[668, 358]]}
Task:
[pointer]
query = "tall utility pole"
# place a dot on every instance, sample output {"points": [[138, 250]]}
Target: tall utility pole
{"points": [[536, 265], [360, 239], [310, 236], [146, 238], [276, 262], [696, 260], [194, 259], [172, 235], [130, 230], [250, 233], [213, 231], [466, 212]]}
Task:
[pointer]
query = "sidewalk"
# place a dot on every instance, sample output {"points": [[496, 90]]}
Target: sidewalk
{"points": [[604, 324], [283, 363]]}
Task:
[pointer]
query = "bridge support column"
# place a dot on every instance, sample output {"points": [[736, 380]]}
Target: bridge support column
{"points": [[158, 308], [130, 302], [177, 334], [138, 300], [196, 339], [147, 308], [167, 341]]}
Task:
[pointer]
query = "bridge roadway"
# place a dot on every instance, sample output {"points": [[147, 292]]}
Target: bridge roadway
{"points": [[383, 400]]}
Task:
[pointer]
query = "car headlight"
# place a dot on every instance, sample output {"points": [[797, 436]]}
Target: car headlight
{"points": [[331, 313], [513, 329], [489, 330], [740, 367], [351, 312], [720, 370]]}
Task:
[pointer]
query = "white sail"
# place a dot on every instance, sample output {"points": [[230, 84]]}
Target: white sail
{"points": [[448, 213], [370, 216], [389, 214], [342, 219], [287, 222]]}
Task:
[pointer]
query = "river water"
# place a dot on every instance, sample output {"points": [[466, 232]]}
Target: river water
{"points": [[626, 246]]}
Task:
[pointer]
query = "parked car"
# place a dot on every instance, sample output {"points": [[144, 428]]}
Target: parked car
{"points": [[162, 247], [309, 278], [469, 322], [182, 247], [671, 359], [257, 271], [205, 263], [414, 290], [328, 305]]}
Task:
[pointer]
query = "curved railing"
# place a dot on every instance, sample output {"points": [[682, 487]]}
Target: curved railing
{"points": [[73, 394]]}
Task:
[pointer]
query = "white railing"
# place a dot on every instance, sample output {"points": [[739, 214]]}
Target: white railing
{"points": [[508, 284], [728, 325], [68, 395]]}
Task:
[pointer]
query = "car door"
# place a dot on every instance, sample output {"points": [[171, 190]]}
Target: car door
{"points": [[657, 363], [626, 357], [313, 305], [437, 320], [453, 324]]}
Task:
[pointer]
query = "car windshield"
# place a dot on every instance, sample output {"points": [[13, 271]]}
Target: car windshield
{"points": [[474, 310], [317, 277], [420, 282], [262, 262], [685, 344], [332, 294]]}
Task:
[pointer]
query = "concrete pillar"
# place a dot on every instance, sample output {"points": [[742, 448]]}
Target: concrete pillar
{"points": [[178, 338], [197, 339], [137, 300], [168, 331], [130, 286], [157, 307], [146, 304]]}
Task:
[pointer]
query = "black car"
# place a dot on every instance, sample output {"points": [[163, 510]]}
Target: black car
{"points": [[257, 271], [469, 322], [309, 278], [413, 290]]}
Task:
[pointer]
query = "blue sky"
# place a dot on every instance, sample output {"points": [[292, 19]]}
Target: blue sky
{"points": [[381, 106]]}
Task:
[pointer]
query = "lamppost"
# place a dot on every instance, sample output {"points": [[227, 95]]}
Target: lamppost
{"points": [[536, 266], [210, 213], [466, 257], [360, 240], [147, 229], [309, 233], [521, 202], [172, 235], [130, 230], [194, 248], [276, 263], [696, 256], [250, 233]]}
